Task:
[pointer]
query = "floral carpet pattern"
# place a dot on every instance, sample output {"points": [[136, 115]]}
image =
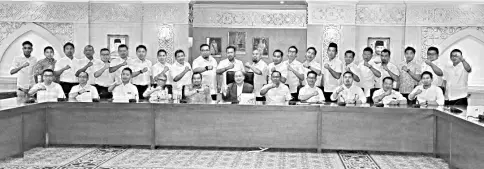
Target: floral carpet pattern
{"points": [[169, 158]]}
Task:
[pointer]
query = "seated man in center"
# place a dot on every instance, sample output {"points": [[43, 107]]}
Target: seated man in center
{"points": [[427, 93], [233, 91], [197, 92], [160, 93], [276, 93], [83, 92], [348, 92], [387, 95], [124, 91], [310, 92]]}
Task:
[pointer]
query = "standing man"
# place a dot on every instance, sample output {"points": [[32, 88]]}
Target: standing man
{"points": [[22, 66], [294, 71], [181, 72], [311, 65], [141, 71], [103, 79], [456, 77], [47, 63], [229, 64], [350, 66], [66, 68], [388, 69], [410, 73], [277, 65], [369, 71], [84, 92], [118, 64], [89, 63], [260, 71], [432, 65], [348, 92], [206, 65], [161, 67], [310, 92], [332, 71]]}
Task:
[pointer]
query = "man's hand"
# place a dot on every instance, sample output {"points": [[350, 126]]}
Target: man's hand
{"points": [[144, 70], [124, 63], [89, 64], [67, 67], [367, 64], [326, 66], [405, 68], [231, 66], [187, 68], [25, 64]]}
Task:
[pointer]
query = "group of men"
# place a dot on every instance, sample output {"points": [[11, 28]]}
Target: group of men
{"points": [[128, 79]]}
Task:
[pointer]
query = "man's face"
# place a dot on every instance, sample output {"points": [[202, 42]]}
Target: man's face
{"points": [[454, 57], [332, 52], [291, 53], [310, 55], [385, 57], [205, 51], [276, 78], [161, 57], [105, 56], [432, 55], [125, 76], [348, 79], [88, 51], [277, 58], [197, 80], [311, 79], [378, 49], [426, 80], [83, 77], [256, 56], [49, 53], [69, 50], [141, 52], [123, 52], [409, 55], [387, 85], [180, 57], [160, 81], [48, 77], [349, 58], [230, 54], [239, 77], [27, 49], [367, 55]]}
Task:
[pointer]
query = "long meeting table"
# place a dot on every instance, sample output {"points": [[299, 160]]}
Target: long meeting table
{"points": [[457, 138]]}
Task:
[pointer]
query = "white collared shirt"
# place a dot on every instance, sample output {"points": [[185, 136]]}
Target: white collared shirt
{"points": [[161, 94], [91, 93], [68, 75], [277, 96], [142, 79], [315, 65], [387, 99], [385, 73], [354, 68], [367, 78], [51, 93], [433, 93], [238, 66], [281, 67], [260, 80], [158, 68], [354, 92], [331, 83], [123, 93], [177, 69], [292, 79], [25, 76], [209, 77], [308, 90], [106, 78], [457, 81], [239, 89], [117, 61], [91, 70]]}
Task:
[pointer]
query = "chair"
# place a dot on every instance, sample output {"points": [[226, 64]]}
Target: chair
{"points": [[443, 89], [372, 90], [249, 77]]}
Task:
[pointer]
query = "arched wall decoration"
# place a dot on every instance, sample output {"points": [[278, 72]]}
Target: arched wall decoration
{"points": [[447, 43], [166, 40]]}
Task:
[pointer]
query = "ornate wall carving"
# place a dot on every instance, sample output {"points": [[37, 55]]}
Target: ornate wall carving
{"points": [[330, 33], [6, 28], [331, 14], [166, 40], [166, 13], [43, 12], [388, 14], [449, 15], [63, 31], [116, 12], [257, 18]]}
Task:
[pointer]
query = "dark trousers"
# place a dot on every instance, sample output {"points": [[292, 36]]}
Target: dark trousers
{"points": [[327, 96], [66, 87], [460, 102], [141, 90], [103, 92]]}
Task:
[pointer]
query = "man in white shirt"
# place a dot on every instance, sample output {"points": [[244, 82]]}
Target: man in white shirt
{"points": [[294, 71], [124, 91], [427, 93], [181, 72], [432, 65], [89, 61], [47, 91], [141, 70], [229, 64], [311, 65], [162, 67], [206, 65], [348, 92], [277, 65], [368, 72], [310, 92], [103, 79], [260, 71], [456, 76], [332, 71], [276, 93], [118, 64], [66, 67], [22, 67], [160, 93], [388, 69], [83, 92], [409, 73], [350, 66], [386, 95]]}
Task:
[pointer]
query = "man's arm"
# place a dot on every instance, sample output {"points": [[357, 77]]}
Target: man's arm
{"points": [[333, 73], [466, 65], [83, 69]]}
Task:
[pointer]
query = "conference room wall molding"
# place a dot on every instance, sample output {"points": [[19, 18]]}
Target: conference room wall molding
{"points": [[44, 12], [342, 14], [445, 15]]}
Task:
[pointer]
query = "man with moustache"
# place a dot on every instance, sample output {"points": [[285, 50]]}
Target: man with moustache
{"points": [[66, 68], [229, 64], [277, 65], [350, 66], [276, 93], [294, 71], [47, 63], [410, 73], [456, 76], [233, 90], [22, 67], [331, 71], [103, 79], [348, 92], [388, 69], [161, 67], [369, 71], [196, 92], [432, 65], [118, 64], [310, 92], [141, 70], [386, 95], [312, 65], [260, 71], [206, 65], [181, 72], [89, 63]]}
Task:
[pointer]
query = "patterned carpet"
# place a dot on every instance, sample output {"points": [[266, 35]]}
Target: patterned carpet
{"points": [[183, 158]]}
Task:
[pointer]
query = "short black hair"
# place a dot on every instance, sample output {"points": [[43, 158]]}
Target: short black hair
{"points": [[230, 47], [280, 51], [312, 72], [427, 73], [161, 50], [123, 46], [104, 49], [84, 72], [348, 72], [68, 44], [410, 48], [386, 51], [48, 47], [128, 69], [178, 51], [201, 46], [198, 73], [434, 49], [141, 47], [351, 52], [27, 43], [455, 50], [294, 47], [276, 72], [390, 78], [312, 48], [368, 49], [333, 45], [48, 70]]}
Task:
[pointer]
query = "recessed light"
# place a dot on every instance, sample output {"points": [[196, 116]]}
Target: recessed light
{"points": [[282, 2]]}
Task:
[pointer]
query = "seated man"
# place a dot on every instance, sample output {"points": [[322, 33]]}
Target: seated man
{"points": [[196, 92], [348, 92], [275, 92], [387, 95], [47, 91], [160, 93], [124, 91], [427, 93], [310, 92], [83, 92], [235, 89]]}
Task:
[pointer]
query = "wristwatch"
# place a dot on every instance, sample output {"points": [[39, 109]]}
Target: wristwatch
{"points": [[206, 67]]}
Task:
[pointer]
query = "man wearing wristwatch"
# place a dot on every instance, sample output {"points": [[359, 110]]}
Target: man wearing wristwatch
{"points": [[311, 65], [83, 92], [206, 65], [197, 92], [141, 71], [409, 73], [368, 72]]}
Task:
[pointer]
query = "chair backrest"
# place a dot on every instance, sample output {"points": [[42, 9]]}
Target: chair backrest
{"points": [[183, 93], [168, 86], [249, 77], [372, 90], [443, 89]]}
